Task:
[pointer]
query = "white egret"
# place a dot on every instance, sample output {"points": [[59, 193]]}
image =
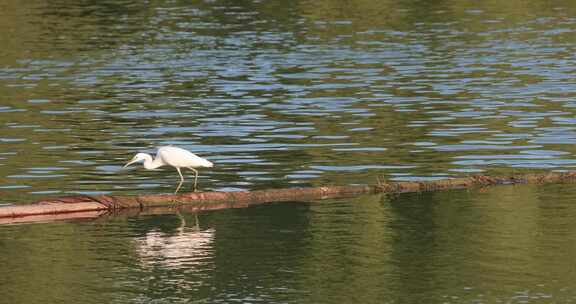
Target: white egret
{"points": [[174, 157]]}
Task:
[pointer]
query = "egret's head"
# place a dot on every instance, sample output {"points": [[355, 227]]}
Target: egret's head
{"points": [[138, 157]]}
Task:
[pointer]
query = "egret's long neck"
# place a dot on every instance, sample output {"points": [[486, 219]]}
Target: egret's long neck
{"points": [[153, 164]]}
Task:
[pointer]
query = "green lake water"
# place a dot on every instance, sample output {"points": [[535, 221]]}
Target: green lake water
{"points": [[291, 94]]}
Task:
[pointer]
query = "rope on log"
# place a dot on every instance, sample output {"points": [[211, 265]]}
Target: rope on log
{"points": [[219, 200]]}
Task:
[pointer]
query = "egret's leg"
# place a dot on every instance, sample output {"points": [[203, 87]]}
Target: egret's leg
{"points": [[195, 177], [181, 180], [182, 221], [197, 224]]}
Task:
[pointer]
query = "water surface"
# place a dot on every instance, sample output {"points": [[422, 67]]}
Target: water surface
{"points": [[286, 94], [281, 94], [509, 244]]}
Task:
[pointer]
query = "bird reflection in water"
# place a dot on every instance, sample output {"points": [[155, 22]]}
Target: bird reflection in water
{"points": [[188, 246]]}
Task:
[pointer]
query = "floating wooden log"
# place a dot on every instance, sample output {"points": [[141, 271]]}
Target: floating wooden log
{"points": [[100, 204]]}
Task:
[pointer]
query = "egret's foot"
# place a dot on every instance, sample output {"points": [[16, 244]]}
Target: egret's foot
{"points": [[381, 180], [177, 202]]}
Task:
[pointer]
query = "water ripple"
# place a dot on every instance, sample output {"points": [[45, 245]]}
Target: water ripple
{"points": [[270, 98]]}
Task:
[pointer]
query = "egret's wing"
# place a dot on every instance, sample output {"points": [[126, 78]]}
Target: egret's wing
{"points": [[178, 157]]}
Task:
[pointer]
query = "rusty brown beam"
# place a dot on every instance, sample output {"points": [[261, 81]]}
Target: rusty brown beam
{"points": [[218, 200]]}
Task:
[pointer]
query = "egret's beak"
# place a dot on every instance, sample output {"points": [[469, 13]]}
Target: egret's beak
{"points": [[129, 163]]}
